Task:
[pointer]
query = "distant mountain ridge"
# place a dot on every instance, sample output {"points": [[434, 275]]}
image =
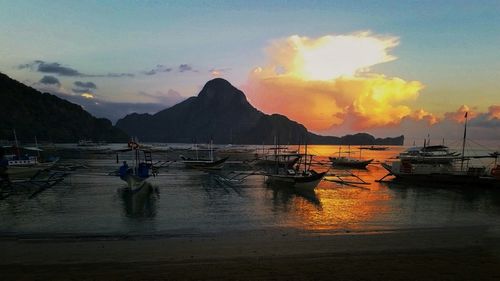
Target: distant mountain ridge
{"points": [[222, 113], [47, 117]]}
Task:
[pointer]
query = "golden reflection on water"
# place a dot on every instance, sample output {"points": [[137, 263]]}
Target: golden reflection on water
{"points": [[340, 206]]}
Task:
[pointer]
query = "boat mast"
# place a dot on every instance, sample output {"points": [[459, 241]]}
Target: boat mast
{"points": [[17, 144], [211, 150], [276, 167], [463, 142], [36, 145], [305, 154]]}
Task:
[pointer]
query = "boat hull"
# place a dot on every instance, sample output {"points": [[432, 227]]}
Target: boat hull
{"points": [[205, 165], [134, 182], [296, 181], [26, 172], [444, 178], [350, 163]]}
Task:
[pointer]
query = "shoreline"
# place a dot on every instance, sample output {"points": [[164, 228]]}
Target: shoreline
{"points": [[261, 254]]}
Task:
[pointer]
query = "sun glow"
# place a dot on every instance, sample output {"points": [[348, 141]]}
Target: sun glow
{"points": [[87, 95], [326, 82], [330, 56]]}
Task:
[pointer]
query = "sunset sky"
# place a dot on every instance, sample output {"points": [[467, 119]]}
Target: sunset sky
{"points": [[383, 67]]}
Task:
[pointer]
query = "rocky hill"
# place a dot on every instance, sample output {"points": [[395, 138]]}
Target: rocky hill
{"points": [[47, 117], [222, 113]]}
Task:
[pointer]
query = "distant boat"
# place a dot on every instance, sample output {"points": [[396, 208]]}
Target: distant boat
{"points": [[204, 163], [374, 147], [280, 156], [349, 162], [86, 143]]}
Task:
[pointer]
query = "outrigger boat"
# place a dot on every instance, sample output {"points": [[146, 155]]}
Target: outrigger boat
{"points": [[305, 179], [373, 147], [204, 164], [22, 166], [280, 155], [143, 168], [348, 162]]}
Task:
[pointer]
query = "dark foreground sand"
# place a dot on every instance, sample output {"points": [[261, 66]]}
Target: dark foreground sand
{"points": [[467, 253]]}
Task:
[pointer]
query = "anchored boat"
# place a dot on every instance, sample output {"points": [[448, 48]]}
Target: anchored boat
{"points": [[437, 165], [301, 176]]}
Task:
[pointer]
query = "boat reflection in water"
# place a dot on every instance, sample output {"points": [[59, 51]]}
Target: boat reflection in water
{"points": [[286, 196], [140, 202]]}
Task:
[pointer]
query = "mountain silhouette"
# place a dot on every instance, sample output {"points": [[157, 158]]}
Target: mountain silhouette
{"points": [[223, 114], [47, 117]]}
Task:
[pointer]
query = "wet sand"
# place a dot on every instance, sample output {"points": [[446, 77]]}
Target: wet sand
{"points": [[464, 253]]}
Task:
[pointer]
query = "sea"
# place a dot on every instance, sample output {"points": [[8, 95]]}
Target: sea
{"points": [[91, 201]]}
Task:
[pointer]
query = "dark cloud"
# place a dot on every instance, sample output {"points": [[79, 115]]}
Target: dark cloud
{"points": [[58, 69], [112, 75], [484, 120], [159, 68], [82, 90], [49, 80], [89, 85], [185, 67], [84, 87]]}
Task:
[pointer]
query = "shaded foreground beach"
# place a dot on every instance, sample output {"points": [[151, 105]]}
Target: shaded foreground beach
{"points": [[462, 253]]}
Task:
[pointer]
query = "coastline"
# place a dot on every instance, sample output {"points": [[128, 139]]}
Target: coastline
{"points": [[452, 253]]}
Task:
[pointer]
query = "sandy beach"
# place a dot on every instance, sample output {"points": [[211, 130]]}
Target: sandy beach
{"points": [[463, 253]]}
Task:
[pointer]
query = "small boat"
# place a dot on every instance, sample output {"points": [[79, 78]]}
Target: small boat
{"points": [[23, 165], [277, 155], [305, 179], [282, 160], [136, 176], [203, 163], [349, 162], [85, 142], [374, 147]]}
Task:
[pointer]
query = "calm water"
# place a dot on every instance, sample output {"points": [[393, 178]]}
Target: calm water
{"points": [[193, 202]]}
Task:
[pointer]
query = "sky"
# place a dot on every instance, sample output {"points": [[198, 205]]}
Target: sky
{"points": [[383, 67]]}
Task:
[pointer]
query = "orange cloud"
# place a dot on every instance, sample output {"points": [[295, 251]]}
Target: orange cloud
{"points": [[459, 115], [494, 112], [421, 114], [325, 82]]}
